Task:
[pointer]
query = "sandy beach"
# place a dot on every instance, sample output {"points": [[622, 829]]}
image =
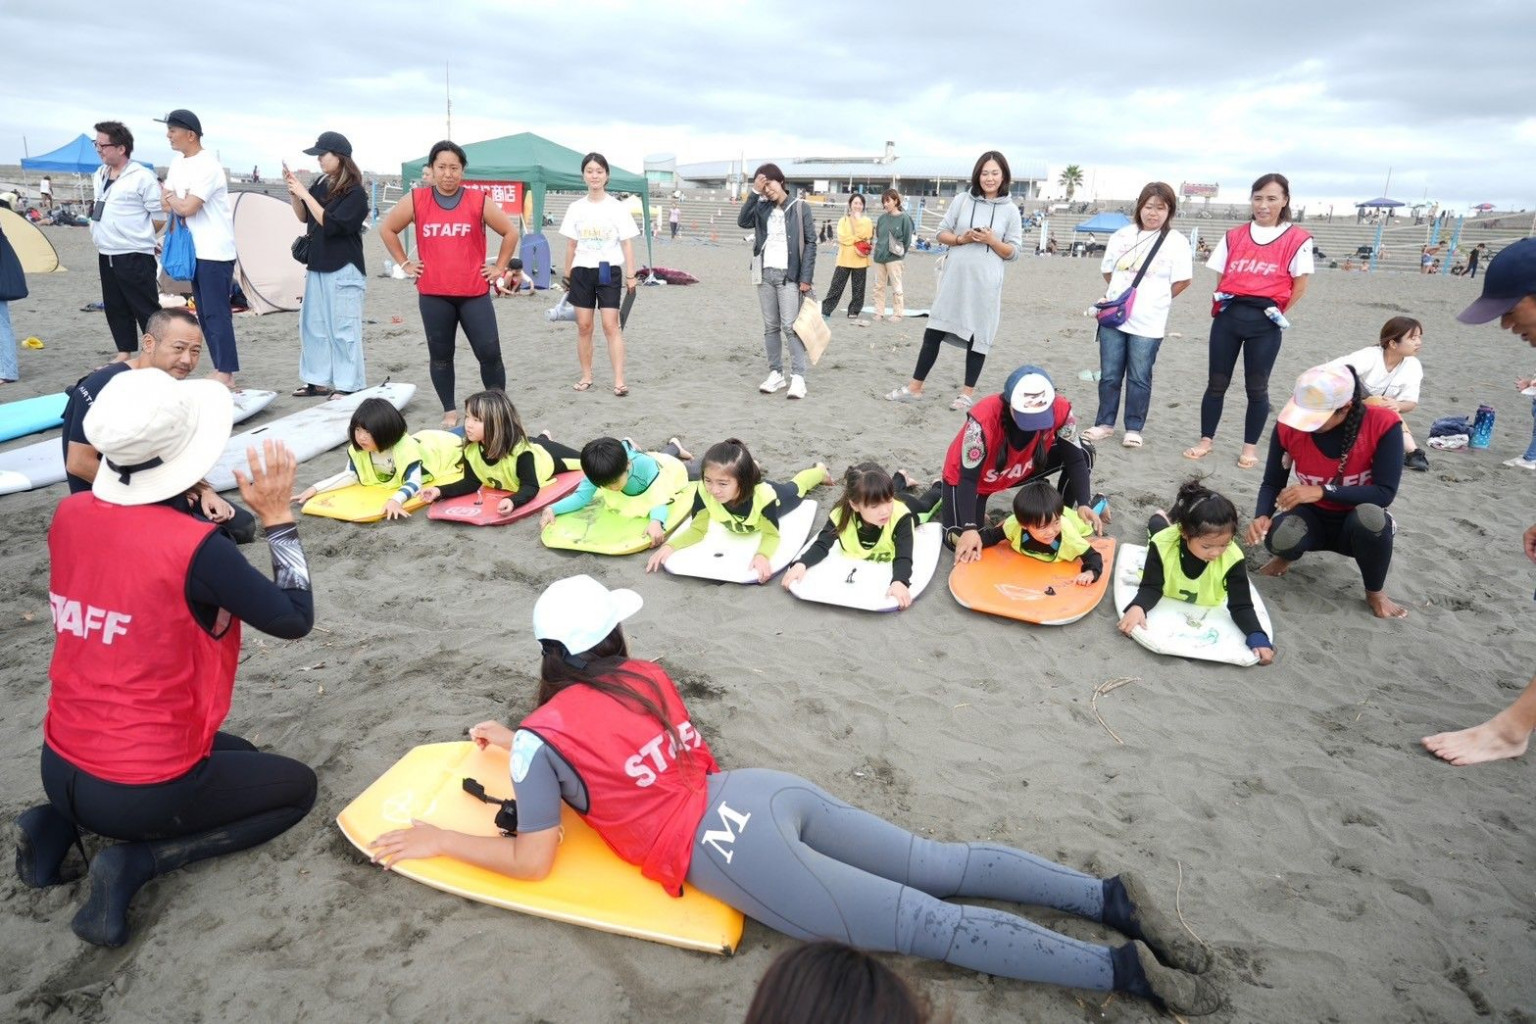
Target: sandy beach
{"points": [[1339, 872]]}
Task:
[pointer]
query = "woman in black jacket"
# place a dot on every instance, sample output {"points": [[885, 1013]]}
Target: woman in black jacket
{"points": [[783, 262]]}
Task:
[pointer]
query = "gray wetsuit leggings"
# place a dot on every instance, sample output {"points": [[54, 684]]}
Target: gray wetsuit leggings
{"points": [[788, 854]]}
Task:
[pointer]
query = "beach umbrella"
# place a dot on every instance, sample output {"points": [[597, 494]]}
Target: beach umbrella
{"points": [[1483, 207], [1382, 203]]}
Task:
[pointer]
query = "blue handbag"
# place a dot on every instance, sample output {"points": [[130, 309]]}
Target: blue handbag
{"points": [[178, 256]]}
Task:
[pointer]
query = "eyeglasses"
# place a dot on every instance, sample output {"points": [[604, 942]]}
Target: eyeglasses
{"points": [[110, 145]]}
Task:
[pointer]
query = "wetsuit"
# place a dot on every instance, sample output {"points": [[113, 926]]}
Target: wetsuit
{"points": [[643, 471], [131, 749], [788, 854], [451, 291], [1090, 559], [1235, 583], [525, 468], [1352, 519], [758, 512], [869, 535]]}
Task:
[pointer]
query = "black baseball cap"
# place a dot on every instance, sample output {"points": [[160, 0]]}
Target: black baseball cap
{"points": [[1511, 277], [331, 142], [182, 119]]}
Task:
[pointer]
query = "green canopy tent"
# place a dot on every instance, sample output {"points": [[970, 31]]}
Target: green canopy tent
{"points": [[541, 165]]}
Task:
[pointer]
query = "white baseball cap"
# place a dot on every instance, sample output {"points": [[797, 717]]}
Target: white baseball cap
{"points": [[1031, 395], [1320, 392], [157, 435], [580, 612]]}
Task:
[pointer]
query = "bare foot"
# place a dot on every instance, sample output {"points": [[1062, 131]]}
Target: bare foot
{"points": [[1384, 607], [450, 419], [682, 453], [1494, 740], [227, 379], [1275, 567]]}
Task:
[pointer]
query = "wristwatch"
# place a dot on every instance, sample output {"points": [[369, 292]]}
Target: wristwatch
{"points": [[1328, 490]]}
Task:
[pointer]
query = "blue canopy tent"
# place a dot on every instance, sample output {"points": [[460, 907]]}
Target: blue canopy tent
{"points": [[77, 157], [1108, 221], [1380, 203]]}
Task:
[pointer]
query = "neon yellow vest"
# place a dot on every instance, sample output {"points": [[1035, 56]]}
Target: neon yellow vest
{"points": [[884, 549], [762, 496], [673, 477], [1074, 538], [503, 475], [1210, 589], [436, 450]]}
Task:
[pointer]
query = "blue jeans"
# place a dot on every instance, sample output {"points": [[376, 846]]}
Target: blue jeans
{"points": [[10, 368], [211, 285], [1118, 352], [331, 329], [1530, 453]]}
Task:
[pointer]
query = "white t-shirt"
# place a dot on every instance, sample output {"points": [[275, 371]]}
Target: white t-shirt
{"points": [[1124, 254], [213, 229], [598, 228], [1401, 382], [1301, 263], [776, 244], [130, 205]]}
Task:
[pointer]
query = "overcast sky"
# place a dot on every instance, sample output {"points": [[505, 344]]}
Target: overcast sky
{"points": [[1331, 94]]}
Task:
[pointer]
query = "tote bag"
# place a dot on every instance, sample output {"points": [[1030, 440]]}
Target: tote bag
{"points": [[178, 256], [811, 328]]}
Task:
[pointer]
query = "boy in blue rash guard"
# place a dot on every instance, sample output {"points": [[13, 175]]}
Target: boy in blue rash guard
{"points": [[615, 465]]}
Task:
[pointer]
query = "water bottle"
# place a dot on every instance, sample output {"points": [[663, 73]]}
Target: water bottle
{"points": [[1482, 427], [1273, 312]]}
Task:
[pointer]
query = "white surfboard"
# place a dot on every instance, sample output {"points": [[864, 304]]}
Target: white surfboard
{"points": [[852, 583], [1185, 630], [312, 432], [908, 313], [42, 464], [727, 557]]}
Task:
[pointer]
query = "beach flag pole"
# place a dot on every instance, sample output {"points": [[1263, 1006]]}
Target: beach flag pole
{"points": [[1376, 248], [1445, 264]]}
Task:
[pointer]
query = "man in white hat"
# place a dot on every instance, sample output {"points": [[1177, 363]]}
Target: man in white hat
{"points": [[1509, 296], [148, 640], [172, 342]]}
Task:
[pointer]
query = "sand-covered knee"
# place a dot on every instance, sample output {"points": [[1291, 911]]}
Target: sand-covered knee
{"points": [[1372, 517]]}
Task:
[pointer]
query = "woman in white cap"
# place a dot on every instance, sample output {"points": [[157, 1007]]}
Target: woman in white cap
{"points": [[333, 209], [148, 639], [1348, 459], [612, 738]]}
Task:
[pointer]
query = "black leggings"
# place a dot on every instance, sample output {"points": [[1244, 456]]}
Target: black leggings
{"points": [[929, 354], [441, 317], [835, 291], [236, 798], [1364, 533], [1240, 328]]}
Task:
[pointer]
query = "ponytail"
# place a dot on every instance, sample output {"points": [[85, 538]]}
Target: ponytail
{"points": [[1351, 425], [864, 484], [1198, 511]]}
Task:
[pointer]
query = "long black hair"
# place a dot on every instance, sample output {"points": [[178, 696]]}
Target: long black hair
{"points": [[1352, 421], [865, 484], [1199, 511]]}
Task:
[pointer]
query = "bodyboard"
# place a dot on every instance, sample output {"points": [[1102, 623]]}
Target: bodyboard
{"points": [[726, 557], [1004, 582], [862, 584], [601, 530], [589, 885], [479, 509], [30, 415], [1183, 630]]}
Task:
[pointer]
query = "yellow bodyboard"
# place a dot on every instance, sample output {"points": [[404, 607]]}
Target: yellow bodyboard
{"points": [[356, 503], [589, 885]]}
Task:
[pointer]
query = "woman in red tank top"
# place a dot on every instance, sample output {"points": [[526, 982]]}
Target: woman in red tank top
{"points": [[450, 272]]}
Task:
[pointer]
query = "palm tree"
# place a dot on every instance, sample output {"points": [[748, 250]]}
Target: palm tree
{"points": [[1071, 177]]}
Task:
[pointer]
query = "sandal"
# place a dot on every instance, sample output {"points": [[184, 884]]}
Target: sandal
{"points": [[1247, 461], [621, 391], [1099, 432], [1199, 451], [1132, 439], [962, 403], [582, 385], [903, 394], [311, 391]]}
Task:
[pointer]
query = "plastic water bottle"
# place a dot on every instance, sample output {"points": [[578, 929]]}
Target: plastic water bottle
{"points": [[1273, 312], [1482, 427]]}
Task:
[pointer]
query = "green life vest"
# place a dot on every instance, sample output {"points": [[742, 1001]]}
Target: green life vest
{"points": [[436, 450], [884, 549], [762, 496], [502, 476], [671, 478], [1073, 540], [1210, 589]]}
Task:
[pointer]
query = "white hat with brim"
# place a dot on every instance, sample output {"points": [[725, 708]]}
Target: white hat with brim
{"points": [[157, 435], [580, 612], [1320, 392]]}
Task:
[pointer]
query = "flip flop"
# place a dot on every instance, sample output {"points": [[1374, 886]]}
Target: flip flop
{"points": [[582, 385], [1247, 461], [901, 394], [311, 391], [1197, 452], [620, 391], [962, 403]]}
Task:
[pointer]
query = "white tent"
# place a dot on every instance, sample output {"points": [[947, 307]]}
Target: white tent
{"points": [[265, 227]]}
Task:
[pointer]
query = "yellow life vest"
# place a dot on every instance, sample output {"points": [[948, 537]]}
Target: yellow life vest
{"points": [[671, 478], [1210, 589], [503, 475], [884, 549], [763, 495], [1073, 538], [436, 450]]}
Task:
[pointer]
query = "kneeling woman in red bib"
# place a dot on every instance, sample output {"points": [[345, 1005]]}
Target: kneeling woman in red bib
{"points": [[1348, 459], [612, 738], [1026, 431], [148, 639]]}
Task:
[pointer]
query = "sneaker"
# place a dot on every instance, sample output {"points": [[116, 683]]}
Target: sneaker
{"points": [[1099, 432], [796, 386], [1520, 463], [1416, 460], [775, 382], [854, 321]]}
